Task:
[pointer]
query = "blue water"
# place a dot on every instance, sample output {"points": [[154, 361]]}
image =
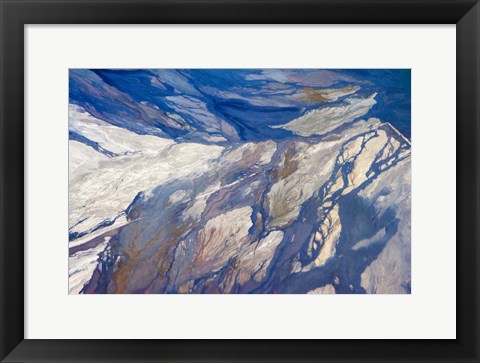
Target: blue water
{"points": [[248, 100]]}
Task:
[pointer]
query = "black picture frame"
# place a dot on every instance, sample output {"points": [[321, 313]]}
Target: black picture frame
{"points": [[15, 14]]}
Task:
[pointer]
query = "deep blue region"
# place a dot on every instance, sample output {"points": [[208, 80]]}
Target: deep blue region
{"points": [[74, 136], [393, 87], [141, 100], [138, 85], [252, 122]]}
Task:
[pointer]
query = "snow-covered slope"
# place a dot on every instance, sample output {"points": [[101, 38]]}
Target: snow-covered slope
{"points": [[313, 215]]}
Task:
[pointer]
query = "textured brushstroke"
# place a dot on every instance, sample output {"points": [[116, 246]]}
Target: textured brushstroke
{"points": [[323, 120]]}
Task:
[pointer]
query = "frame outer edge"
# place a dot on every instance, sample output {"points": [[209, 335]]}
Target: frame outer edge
{"points": [[3, 328], [11, 178], [11, 108], [468, 179]]}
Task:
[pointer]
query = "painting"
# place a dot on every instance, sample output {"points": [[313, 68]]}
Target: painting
{"points": [[239, 181]]}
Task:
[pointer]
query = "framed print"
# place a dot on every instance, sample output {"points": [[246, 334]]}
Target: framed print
{"points": [[239, 181]]}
